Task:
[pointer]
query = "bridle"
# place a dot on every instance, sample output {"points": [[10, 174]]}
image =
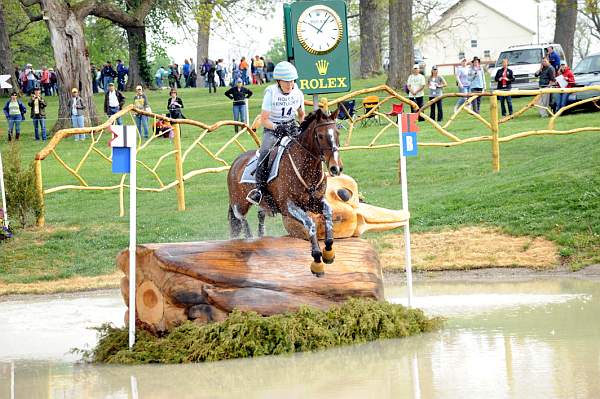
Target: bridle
{"points": [[333, 147]]}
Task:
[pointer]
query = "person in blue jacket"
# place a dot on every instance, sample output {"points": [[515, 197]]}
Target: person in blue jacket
{"points": [[15, 111], [554, 58]]}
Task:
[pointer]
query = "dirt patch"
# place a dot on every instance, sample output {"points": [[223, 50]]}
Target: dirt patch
{"points": [[65, 285], [468, 248]]}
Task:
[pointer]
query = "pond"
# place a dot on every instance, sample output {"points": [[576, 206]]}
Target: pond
{"points": [[516, 339]]}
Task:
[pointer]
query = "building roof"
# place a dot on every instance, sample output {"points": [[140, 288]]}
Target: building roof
{"points": [[460, 2]]}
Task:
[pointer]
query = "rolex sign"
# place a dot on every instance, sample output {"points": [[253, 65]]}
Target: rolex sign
{"points": [[316, 35]]}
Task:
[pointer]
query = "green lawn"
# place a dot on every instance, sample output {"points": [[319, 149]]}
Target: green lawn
{"points": [[548, 186]]}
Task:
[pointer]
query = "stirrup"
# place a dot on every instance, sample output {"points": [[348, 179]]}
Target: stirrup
{"points": [[250, 195]]}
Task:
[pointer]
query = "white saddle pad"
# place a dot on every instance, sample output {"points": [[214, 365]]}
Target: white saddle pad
{"points": [[248, 175]]}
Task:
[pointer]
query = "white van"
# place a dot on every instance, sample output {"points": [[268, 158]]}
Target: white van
{"points": [[524, 60]]}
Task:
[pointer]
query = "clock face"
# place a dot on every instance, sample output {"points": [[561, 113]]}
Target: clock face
{"points": [[319, 29]]}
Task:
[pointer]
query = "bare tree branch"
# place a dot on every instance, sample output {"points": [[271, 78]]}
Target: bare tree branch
{"points": [[23, 28]]}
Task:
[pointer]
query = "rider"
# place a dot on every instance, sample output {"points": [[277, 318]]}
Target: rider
{"points": [[281, 103]]}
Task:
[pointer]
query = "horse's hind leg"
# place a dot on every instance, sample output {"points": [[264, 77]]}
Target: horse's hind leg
{"points": [[261, 222], [235, 225], [328, 253], [316, 267]]}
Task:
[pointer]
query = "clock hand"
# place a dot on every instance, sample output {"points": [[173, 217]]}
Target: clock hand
{"points": [[308, 23], [324, 22]]}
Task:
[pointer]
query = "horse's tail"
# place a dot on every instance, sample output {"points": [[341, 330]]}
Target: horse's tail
{"points": [[235, 224]]}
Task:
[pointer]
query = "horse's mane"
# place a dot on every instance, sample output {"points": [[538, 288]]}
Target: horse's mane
{"points": [[310, 118]]}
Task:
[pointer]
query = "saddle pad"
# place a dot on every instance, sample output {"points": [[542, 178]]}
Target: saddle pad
{"points": [[248, 175]]}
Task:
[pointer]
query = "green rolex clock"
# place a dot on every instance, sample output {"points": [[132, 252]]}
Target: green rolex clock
{"points": [[319, 29], [316, 37]]}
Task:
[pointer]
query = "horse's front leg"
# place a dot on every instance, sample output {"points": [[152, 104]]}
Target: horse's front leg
{"points": [[299, 214], [328, 252]]}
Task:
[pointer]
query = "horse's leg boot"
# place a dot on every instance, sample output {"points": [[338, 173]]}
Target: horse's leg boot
{"points": [[328, 255], [317, 269]]}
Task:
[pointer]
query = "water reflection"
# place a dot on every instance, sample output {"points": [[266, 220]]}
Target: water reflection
{"points": [[542, 343]]}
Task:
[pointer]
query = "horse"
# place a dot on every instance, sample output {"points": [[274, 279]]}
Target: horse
{"points": [[299, 187]]}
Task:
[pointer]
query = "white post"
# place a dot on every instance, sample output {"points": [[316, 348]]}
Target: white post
{"points": [[132, 238], [134, 388], [404, 185], [4, 209], [247, 112], [12, 380], [315, 102]]}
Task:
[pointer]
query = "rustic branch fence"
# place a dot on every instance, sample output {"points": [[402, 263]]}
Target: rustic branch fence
{"points": [[180, 154]]}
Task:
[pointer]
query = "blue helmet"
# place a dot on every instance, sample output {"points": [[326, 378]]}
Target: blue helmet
{"points": [[285, 71]]}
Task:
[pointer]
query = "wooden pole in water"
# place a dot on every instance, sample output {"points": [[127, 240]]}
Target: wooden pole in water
{"points": [[495, 133], [179, 168]]}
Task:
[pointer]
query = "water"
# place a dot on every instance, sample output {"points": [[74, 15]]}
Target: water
{"points": [[529, 339]]}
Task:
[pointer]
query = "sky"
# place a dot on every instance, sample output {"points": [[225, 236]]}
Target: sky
{"points": [[256, 40]]}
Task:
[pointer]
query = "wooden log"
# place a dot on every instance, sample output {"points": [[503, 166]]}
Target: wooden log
{"points": [[205, 281]]}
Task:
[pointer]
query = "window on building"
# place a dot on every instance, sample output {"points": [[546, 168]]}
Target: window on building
{"points": [[461, 55], [487, 54], [473, 43]]}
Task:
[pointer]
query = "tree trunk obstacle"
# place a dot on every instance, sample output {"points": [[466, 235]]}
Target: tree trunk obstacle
{"points": [[204, 281]]}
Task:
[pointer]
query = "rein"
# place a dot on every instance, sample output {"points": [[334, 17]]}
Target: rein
{"points": [[295, 168]]}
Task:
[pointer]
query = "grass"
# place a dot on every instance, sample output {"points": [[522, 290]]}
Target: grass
{"points": [[548, 186], [247, 334]]}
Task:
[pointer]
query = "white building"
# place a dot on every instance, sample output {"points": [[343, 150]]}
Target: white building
{"points": [[471, 28]]}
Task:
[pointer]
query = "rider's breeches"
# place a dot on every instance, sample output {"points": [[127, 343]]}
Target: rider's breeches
{"points": [[262, 170]]}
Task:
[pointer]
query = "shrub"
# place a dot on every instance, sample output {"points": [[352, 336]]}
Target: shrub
{"points": [[247, 334], [22, 200]]}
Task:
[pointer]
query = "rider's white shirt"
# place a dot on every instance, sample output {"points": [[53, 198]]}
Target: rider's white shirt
{"points": [[282, 107]]}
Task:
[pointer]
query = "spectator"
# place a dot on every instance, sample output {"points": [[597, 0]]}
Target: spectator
{"points": [[77, 106], [259, 66], [45, 81], [94, 73], [565, 79], [462, 81], [31, 78], [53, 82], [140, 101], [171, 76], [244, 69], [547, 75], [210, 75], [186, 72], [15, 111], [122, 71], [436, 84], [221, 72], [416, 84], [270, 66], [158, 76], [38, 113], [175, 106], [477, 82], [107, 75], [232, 68], [177, 75], [553, 57], [193, 73], [239, 94], [504, 77], [113, 102]]}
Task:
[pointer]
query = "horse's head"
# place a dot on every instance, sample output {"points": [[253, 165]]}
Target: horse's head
{"points": [[327, 139]]}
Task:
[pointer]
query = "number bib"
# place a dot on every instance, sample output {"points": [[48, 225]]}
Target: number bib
{"points": [[281, 107]]}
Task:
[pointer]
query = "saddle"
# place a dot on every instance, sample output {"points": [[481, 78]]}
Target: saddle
{"points": [[274, 161]]}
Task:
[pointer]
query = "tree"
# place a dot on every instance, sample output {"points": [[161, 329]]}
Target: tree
{"points": [[6, 65], [591, 12], [277, 51], [566, 22], [370, 37], [65, 24], [401, 42]]}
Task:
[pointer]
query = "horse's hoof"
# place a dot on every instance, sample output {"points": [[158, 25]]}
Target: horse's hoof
{"points": [[317, 268], [328, 256]]}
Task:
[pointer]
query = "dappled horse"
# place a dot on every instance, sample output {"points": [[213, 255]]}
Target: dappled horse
{"points": [[298, 188]]}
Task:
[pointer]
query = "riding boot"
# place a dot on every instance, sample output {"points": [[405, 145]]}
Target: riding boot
{"points": [[261, 176]]}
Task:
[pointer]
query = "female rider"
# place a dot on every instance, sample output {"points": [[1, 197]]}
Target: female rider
{"points": [[281, 103]]}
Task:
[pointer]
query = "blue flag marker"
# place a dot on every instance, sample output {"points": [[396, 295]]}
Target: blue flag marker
{"points": [[409, 144], [121, 159]]}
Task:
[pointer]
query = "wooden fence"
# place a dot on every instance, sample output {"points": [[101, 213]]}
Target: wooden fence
{"points": [[389, 96]]}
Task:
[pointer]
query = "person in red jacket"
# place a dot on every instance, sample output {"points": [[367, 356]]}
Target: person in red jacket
{"points": [[569, 81]]}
